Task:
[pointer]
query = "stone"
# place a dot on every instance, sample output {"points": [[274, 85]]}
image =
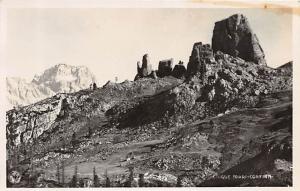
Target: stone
{"points": [[239, 84], [286, 69], [226, 74], [281, 164], [201, 54], [253, 73], [239, 72], [257, 92], [179, 70], [211, 94], [235, 90], [139, 68], [144, 69], [146, 66], [137, 76], [165, 67], [153, 75], [235, 37]]}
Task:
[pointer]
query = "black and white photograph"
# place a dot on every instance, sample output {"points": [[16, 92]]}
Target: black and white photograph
{"points": [[150, 96]]}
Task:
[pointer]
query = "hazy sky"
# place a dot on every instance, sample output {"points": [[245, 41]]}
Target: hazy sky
{"points": [[111, 41]]}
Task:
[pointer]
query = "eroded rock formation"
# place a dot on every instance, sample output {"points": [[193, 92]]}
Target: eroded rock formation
{"points": [[165, 68], [144, 70], [146, 66], [201, 54], [179, 70], [234, 36]]}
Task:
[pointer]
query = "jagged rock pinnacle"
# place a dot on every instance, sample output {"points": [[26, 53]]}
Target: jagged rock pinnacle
{"points": [[234, 36]]}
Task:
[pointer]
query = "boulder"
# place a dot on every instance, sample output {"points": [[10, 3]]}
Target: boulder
{"points": [[179, 70], [234, 36], [165, 67]]}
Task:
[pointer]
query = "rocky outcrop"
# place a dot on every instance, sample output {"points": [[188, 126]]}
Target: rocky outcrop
{"points": [[286, 69], [201, 54], [61, 78], [234, 36], [153, 75], [225, 78], [139, 68], [144, 70], [165, 68], [179, 70], [30, 122], [146, 66]]}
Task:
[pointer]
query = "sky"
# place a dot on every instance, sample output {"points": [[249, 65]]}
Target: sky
{"points": [[110, 41]]}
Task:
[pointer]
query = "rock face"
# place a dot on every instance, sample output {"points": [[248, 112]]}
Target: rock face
{"points": [[179, 70], [165, 67], [144, 70], [201, 54], [21, 93], [61, 78], [30, 122], [146, 66], [153, 75], [139, 68], [234, 36], [224, 79], [286, 69]]}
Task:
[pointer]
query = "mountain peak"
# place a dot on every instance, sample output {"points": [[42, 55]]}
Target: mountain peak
{"points": [[65, 78], [61, 78], [235, 37]]}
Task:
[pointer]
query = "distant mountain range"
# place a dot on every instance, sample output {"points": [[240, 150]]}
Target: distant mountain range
{"points": [[60, 78]]}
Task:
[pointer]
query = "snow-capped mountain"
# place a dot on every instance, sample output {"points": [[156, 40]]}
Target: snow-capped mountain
{"points": [[61, 78]]}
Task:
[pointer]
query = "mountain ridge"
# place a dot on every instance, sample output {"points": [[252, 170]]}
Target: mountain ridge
{"points": [[60, 78]]}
